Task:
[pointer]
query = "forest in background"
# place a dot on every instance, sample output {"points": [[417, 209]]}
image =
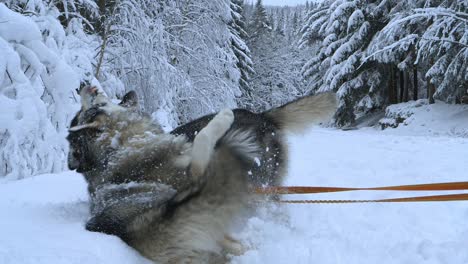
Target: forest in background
{"points": [[382, 52], [187, 58]]}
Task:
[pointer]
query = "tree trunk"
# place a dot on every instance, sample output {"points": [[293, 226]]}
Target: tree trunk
{"points": [[430, 87], [391, 87], [430, 91], [402, 86], [395, 85], [415, 83], [407, 84]]}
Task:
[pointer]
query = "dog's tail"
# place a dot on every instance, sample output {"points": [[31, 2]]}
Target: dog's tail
{"points": [[298, 115]]}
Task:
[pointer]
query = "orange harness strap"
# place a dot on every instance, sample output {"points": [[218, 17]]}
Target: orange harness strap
{"points": [[448, 186], [432, 198]]}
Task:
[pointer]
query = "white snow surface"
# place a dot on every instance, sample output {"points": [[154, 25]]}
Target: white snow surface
{"points": [[422, 118], [43, 222], [364, 233], [43, 217]]}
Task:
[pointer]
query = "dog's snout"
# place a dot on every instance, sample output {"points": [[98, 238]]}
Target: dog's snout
{"points": [[73, 162]]}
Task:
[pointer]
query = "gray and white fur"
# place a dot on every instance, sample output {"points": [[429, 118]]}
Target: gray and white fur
{"points": [[175, 196]]}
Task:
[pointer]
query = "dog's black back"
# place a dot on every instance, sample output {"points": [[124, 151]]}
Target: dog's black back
{"points": [[268, 168]]}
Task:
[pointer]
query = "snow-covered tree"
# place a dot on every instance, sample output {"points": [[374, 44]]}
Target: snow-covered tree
{"points": [[177, 54], [371, 52], [430, 36], [293, 27], [134, 57], [343, 29], [241, 50], [276, 59], [37, 87], [280, 21], [259, 21], [201, 48]]}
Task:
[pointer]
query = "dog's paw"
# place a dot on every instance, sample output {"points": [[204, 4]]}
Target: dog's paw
{"points": [[105, 224]]}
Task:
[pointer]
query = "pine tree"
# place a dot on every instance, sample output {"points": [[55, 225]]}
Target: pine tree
{"points": [[429, 37], [241, 50], [445, 41], [260, 23], [276, 56], [294, 25], [280, 22], [371, 53], [343, 30]]}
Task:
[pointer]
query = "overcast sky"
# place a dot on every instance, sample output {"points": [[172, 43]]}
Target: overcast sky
{"points": [[283, 2]]}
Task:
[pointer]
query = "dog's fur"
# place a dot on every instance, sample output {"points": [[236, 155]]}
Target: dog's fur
{"points": [[174, 197]]}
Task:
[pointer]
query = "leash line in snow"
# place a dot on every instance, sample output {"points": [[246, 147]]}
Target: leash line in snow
{"points": [[432, 198], [446, 186]]}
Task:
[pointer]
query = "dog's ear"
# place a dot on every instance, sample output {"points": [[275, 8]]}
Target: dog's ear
{"points": [[129, 100]]}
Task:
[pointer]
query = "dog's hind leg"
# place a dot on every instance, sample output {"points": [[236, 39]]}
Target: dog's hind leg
{"points": [[205, 141]]}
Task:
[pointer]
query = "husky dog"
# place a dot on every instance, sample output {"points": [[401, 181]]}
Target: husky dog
{"points": [[175, 196]]}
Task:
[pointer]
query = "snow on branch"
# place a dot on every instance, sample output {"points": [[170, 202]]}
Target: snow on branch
{"points": [[34, 98]]}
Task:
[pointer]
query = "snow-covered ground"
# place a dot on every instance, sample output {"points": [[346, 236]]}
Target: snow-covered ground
{"points": [[42, 218], [365, 233], [42, 221]]}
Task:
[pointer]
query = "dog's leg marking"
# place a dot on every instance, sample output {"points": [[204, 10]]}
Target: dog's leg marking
{"points": [[205, 141]]}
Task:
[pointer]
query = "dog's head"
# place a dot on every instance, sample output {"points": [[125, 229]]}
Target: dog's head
{"points": [[97, 128]]}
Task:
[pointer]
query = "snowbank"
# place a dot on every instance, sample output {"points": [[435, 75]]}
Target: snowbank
{"points": [[421, 118]]}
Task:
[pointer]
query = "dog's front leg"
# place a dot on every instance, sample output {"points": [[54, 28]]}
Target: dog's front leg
{"points": [[205, 141]]}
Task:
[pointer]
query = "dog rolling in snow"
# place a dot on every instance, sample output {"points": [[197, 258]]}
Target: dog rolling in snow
{"points": [[175, 196]]}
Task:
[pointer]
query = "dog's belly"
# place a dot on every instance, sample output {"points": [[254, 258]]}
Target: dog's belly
{"points": [[194, 233]]}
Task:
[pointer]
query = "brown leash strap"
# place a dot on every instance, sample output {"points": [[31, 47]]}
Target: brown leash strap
{"points": [[432, 198], [448, 186]]}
